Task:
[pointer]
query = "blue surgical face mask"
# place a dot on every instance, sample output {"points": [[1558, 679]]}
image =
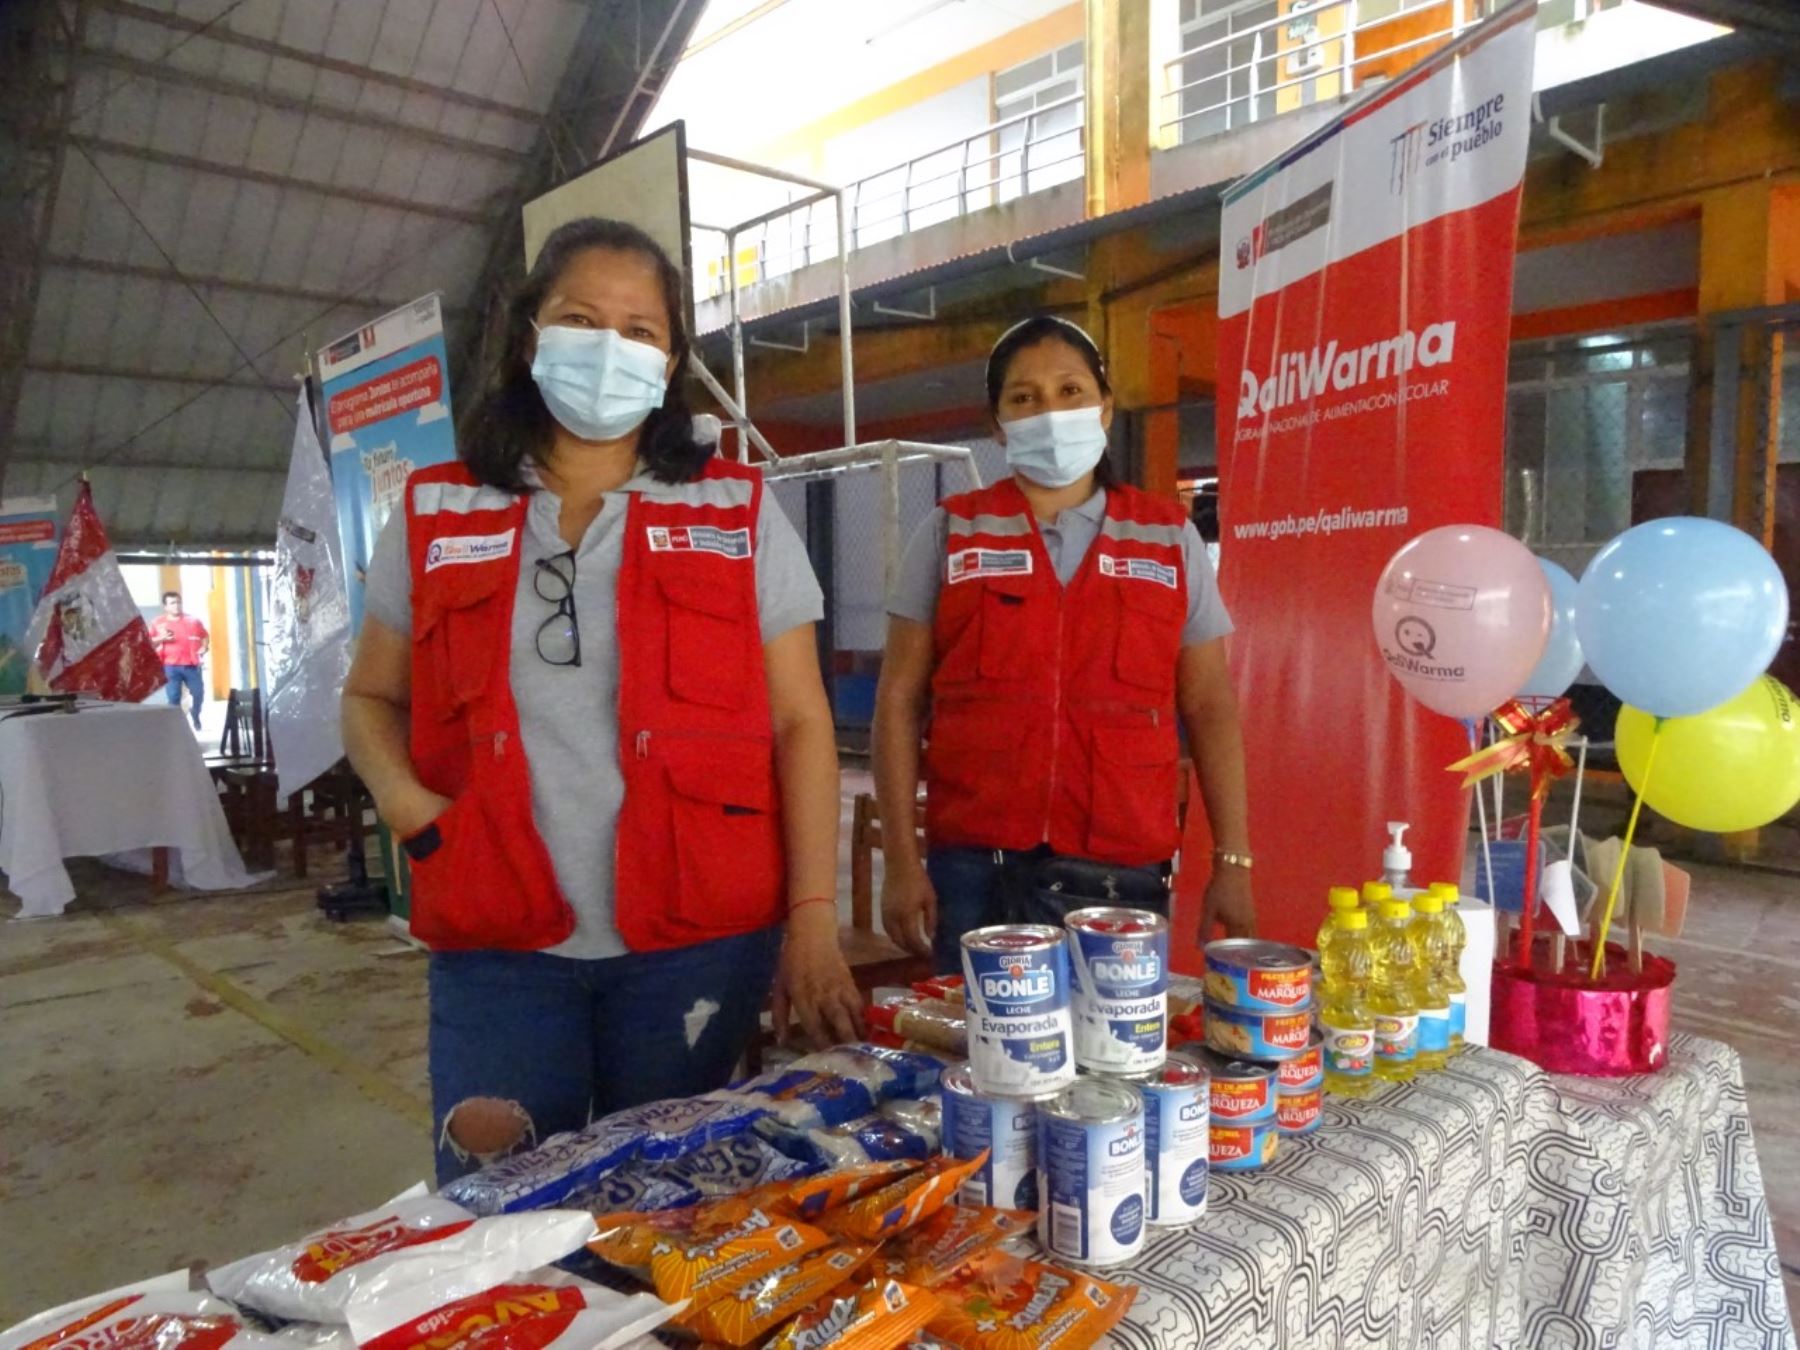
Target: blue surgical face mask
{"points": [[597, 384], [1055, 449]]}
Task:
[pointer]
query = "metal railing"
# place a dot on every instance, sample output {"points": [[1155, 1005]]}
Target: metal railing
{"points": [[1234, 95], [980, 170]]}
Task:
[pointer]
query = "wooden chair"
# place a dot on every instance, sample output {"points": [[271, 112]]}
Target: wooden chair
{"points": [[874, 960]]}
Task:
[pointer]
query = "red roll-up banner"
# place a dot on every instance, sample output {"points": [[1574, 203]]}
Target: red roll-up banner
{"points": [[1364, 299]]}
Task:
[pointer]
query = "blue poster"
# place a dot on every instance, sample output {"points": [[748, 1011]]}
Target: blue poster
{"points": [[387, 411], [28, 532]]}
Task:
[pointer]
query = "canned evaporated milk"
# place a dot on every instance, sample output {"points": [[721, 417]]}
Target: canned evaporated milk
{"points": [[1006, 1127], [1016, 979], [1091, 1173], [1250, 973], [1177, 1116], [1120, 962]]}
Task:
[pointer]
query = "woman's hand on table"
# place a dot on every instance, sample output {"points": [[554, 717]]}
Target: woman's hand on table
{"points": [[814, 985]]}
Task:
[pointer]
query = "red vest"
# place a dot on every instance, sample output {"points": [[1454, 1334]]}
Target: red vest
{"points": [[699, 852], [1053, 708]]}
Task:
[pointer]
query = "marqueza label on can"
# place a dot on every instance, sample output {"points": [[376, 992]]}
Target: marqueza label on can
{"points": [[1241, 1094], [1258, 1035], [1091, 1173], [1177, 1121], [1021, 1040], [1120, 962], [1250, 973], [1243, 1148], [1304, 1070], [1006, 1127], [1299, 1112]]}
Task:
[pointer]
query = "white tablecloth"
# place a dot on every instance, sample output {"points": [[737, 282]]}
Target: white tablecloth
{"points": [[110, 778]]}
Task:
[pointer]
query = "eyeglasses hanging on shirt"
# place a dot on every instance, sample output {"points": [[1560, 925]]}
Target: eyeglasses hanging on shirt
{"points": [[559, 636]]}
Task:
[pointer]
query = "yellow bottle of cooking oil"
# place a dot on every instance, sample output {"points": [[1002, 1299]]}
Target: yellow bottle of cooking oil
{"points": [[1373, 894], [1338, 900], [1433, 948], [1393, 994], [1456, 937], [1345, 1022]]}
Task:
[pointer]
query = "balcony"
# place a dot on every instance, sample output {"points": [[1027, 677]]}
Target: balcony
{"points": [[1248, 78]]}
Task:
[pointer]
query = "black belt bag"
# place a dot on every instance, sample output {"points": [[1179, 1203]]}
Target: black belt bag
{"points": [[1063, 885]]}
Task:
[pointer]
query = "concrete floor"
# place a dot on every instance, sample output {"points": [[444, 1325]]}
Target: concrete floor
{"points": [[187, 1079]]}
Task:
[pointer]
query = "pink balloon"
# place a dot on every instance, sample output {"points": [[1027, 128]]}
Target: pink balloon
{"points": [[1461, 615]]}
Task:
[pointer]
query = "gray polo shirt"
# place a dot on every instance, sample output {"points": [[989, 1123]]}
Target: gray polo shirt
{"points": [[569, 715], [1067, 540]]}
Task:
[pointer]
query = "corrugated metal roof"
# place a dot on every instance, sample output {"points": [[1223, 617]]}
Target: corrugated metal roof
{"points": [[234, 180]]}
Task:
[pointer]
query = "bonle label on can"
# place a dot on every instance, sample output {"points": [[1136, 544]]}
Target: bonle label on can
{"points": [[1007, 1130], [1176, 1128], [1121, 975], [1020, 1032], [1396, 1036], [1093, 1179]]}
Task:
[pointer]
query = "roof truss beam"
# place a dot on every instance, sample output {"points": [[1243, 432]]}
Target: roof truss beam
{"points": [[272, 98], [138, 271], [220, 33], [98, 146], [103, 372]]}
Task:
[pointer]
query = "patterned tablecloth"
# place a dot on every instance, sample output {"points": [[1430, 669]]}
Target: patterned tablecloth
{"points": [[1492, 1205]]}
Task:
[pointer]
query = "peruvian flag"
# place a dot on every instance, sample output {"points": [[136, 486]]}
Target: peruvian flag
{"points": [[87, 632]]}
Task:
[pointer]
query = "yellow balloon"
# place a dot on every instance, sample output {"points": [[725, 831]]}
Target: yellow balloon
{"points": [[1736, 767]]}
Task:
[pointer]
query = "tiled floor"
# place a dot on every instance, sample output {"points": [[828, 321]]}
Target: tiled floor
{"points": [[194, 1077]]}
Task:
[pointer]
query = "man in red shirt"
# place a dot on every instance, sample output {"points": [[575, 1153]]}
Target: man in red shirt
{"points": [[181, 643]]}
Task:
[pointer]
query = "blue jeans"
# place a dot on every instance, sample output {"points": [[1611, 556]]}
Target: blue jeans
{"points": [[570, 1041], [977, 887], [188, 677]]}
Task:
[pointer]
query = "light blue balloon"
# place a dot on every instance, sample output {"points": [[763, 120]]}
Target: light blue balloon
{"points": [[1678, 615], [1562, 659]]}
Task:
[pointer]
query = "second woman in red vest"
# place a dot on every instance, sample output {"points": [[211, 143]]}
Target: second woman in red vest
{"points": [[587, 695], [1056, 629]]}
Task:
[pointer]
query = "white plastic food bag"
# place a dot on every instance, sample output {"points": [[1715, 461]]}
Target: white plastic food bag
{"points": [[157, 1314], [545, 1310], [414, 1242]]}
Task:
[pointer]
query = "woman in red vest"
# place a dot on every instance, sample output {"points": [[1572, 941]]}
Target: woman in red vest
{"points": [[587, 697], [1057, 628]]}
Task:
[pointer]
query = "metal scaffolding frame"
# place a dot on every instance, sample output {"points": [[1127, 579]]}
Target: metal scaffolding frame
{"points": [[885, 455]]}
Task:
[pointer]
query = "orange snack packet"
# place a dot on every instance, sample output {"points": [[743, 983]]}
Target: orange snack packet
{"points": [[1003, 1302], [901, 1204], [932, 1252], [875, 1316], [755, 1306], [626, 1239], [704, 1266], [813, 1196]]}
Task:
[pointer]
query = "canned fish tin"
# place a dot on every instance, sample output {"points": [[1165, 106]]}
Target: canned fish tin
{"points": [[1242, 1148], [1258, 1035], [1006, 1127], [1016, 989], [1298, 1111], [1304, 1070], [1177, 1116], [1251, 973], [1120, 962], [1091, 1165], [1240, 1093]]}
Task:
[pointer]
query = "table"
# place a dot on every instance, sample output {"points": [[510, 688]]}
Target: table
{"points": [[109, 778], [1490, 1204]]}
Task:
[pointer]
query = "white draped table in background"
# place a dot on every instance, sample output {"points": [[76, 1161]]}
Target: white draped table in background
{"points": [[110, 778]]}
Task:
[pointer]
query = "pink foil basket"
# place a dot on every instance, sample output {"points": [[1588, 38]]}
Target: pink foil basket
{"points": [[1563, 1024]]}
